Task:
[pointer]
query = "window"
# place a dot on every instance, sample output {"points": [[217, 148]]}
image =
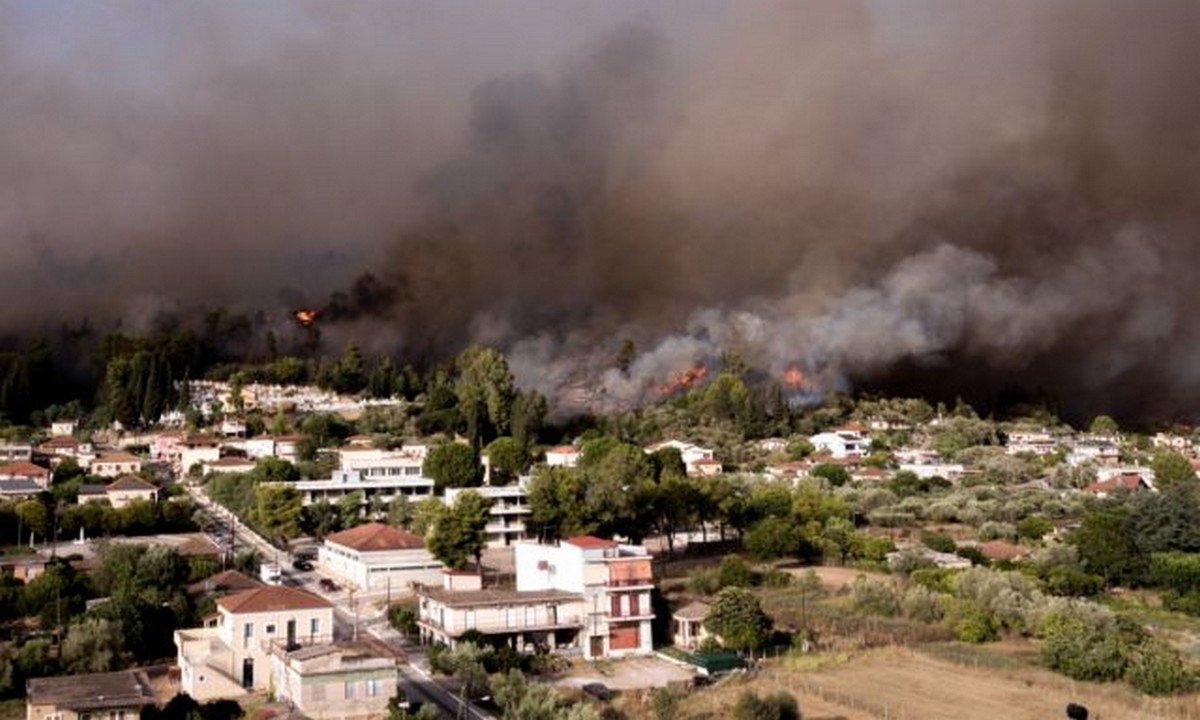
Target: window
{"points": [[372, 688], [270, 629], [314, 626], [248, 630], [350, 691]]}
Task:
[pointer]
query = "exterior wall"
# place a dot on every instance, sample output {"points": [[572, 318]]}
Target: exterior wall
{"points": [[121, 498], [198, 456], [374, 570], [260, 447], [509, 618], [549, 567], [330, 688], [115, 469], [52, 712]]}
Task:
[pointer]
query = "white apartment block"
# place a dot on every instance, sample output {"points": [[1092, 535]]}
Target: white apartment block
{"points": [[507, 514], [375, 556], [842, 443], [345, 482]]}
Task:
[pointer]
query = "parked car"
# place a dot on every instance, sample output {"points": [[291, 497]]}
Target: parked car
{"points": [[302, 565], [328, 585]]}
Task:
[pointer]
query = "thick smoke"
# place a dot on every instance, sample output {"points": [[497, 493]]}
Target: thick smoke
{"points": [[918, 197]]}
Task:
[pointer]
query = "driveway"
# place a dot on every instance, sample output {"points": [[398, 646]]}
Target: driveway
{"points": [[629, 674]]}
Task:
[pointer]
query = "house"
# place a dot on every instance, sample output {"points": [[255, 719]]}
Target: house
{"points": [[850, 442], [687, 625], [167, 446], [585, 595], [1129, 481], [25, 470], [926, 470], [89, 493], [1032, 443], [526, 620], [229, 464], [60, 447], [234, 657], [375, 556], [11, 452], [115, 464], [232, 427], [506, 515], [563, 456], [697, 460], [259, 447], [380, 464], [99, 696], [19, 489], [63, 428], [772, 445], [1175, 442], [286, 447], [198, 450], [1094, 451], [24, 568], [615, 581], [128, 488], [342, 681]]}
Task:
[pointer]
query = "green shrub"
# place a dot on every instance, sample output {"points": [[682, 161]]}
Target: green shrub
{"points": [[704, 581], [941, 542], [734, 572], [776, 578], [1073, 582], [780, 705], [1034, 527], [1155, 668], [1082, 649], [874, 597], [922, 604], [972, 622]]}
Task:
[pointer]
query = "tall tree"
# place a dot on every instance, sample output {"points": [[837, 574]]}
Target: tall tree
{"points": [[452, 465], [485, 390], [738, 619], [507, 458], [277, 510], [459, 534]]}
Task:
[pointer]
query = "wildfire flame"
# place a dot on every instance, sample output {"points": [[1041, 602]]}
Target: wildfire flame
{"points": [[683, 380], [306, 317], [794, 378]]}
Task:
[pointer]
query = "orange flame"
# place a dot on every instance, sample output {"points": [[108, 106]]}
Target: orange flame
{"points": [[794, 378], [682, 380], [306, 317]]}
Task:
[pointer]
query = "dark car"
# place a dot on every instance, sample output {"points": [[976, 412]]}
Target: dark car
{"points": [[302, 565], [328, 585], [597, 690]]}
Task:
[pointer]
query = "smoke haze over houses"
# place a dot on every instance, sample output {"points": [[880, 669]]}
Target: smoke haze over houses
{"points": [[913, 196]]}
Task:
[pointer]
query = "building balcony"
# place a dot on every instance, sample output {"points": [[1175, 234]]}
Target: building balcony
{"points": [[635, 583], [502, 628]]}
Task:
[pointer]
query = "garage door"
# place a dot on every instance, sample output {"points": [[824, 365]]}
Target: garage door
{"points": [[623, 638]]}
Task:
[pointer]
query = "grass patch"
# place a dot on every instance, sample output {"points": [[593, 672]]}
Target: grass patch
{"points": [[812, 662], [13, 709], [970, 655]]}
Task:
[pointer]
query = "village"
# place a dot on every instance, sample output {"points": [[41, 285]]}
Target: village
{"points": [[379, 574]]}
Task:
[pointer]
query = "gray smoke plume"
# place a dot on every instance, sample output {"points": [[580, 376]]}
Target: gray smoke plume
{"points": [[919, 196]]}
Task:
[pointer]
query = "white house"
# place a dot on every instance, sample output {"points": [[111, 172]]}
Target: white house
{"points": [[198, 450], [615, 580], [842, 443], [128, 488], [949, 471], [63, 428], [336, 681], [1032, 443], [584, 593], [380, 464], [377, 556], [562, 456], [234, 657], [697, 460], [115, 464]]}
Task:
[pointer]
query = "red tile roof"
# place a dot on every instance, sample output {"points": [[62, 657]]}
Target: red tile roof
{"points": [[130, 482], [376, 536], [23, 468], [563, 450], [117, 457], [587, 542], [1129, 481], [1001, 550], [271, 598]]}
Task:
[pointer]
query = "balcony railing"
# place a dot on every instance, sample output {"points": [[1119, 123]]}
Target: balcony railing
{"points": [[543, 623], [629, 582]]}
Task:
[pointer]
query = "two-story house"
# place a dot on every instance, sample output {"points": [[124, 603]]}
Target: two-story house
{"points": [[585, 593], [233, 658]]}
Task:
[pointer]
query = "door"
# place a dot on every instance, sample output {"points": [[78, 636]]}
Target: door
{"points": [[633, 605], [248, 673], [597, 646], [291, 633]]}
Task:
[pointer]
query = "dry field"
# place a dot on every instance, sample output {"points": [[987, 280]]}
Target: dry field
{"points": [[908, 684]]}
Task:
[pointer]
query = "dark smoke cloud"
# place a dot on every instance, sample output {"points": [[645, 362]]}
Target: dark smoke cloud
{"points": [[915, 196]]}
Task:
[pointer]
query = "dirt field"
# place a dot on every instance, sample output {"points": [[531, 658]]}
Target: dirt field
{"points": [[904, 684], [834, 578]]}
